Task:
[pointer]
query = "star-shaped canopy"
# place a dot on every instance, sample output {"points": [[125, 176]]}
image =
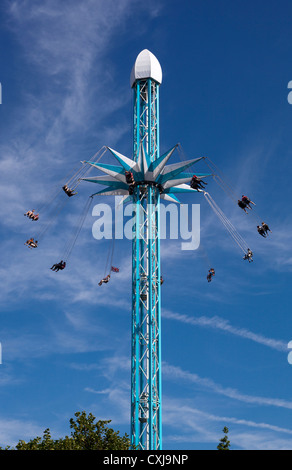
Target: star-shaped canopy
{"points": [[171, 179]]}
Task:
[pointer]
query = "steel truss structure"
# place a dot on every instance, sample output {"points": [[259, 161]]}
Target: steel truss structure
{"points": [[146, 419]]}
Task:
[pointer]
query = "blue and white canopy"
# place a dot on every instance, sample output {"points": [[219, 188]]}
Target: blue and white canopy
{"points": [[171, 179]]}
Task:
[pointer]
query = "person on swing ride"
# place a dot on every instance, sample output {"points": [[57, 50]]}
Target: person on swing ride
{"points": [[261, 231], [211, 273], [114, 269], [32, 215], [31, 243], [242, 205], [56, 267], [266, 228], [248, 255], [247, 201], [104, 280], [130, 181], [29, 213], [68, 191], [129, 177], [197, 183]]}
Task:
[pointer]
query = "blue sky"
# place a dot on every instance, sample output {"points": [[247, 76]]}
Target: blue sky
{"points": [[65, 71]]}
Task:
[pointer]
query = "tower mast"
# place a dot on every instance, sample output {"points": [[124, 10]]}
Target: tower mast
{"points": [[146, 418]]}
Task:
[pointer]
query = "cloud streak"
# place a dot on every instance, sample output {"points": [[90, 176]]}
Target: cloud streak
{"points": [[221, 324], [198, 426], [176, 373]]}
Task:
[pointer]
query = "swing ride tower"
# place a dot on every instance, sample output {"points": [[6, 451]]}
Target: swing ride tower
{"points": [[145, 181], [146, 419], [151, 181]]}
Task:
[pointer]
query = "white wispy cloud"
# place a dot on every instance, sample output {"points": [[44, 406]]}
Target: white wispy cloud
{"points": [[197, 426], [14, 430], [183, 421], [176, 373], [68, 44], [222, 324], [233, 420]]}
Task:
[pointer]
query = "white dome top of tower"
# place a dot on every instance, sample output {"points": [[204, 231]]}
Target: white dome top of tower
{"points": [[146, 66]]}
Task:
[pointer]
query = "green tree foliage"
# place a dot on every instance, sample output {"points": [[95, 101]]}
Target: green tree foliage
{"points": [[86, 434], [224, 443]]}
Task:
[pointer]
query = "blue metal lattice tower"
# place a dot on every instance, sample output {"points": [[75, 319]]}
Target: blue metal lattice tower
{"points": [[146, 419], [152, 181]]}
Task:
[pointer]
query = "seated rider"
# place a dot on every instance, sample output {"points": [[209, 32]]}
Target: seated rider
{"points": [[31, 243], [32, 215], [29, 214], [261, 231], [248, 255], [130, 181], [160, 188], [210, 274], [104, 280], [129, 177], [197, 183], [247, 201], [68, 191], [266, 228], [242, 205], [61, 265]]}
